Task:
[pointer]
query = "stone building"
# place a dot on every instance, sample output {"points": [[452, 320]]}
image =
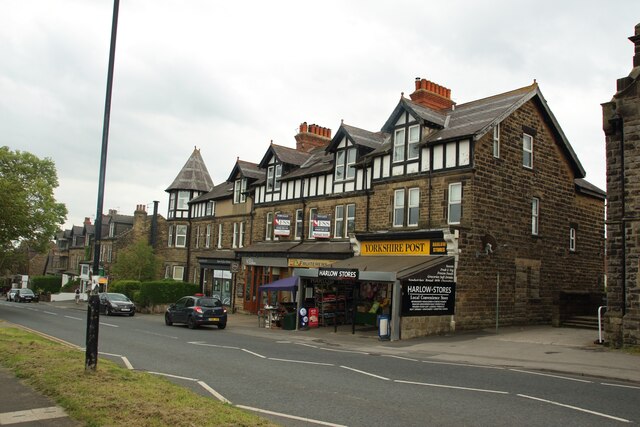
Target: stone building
{"points": [[489, 191], [621, 125]]}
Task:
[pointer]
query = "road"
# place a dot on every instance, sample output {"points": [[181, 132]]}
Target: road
{"points": [[299, 383]]}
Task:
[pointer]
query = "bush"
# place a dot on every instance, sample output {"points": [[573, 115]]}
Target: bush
{"points": [[163, 292], [46, 284], [128, 287]]}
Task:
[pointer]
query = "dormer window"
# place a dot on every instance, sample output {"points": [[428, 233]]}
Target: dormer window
{"points": [[345, 164], [274, 172], [413, 149], [239, 189], [398, 145], [209, 210], [406, 143], [112, 229]]}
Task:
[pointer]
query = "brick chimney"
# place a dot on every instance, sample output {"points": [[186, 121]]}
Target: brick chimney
{"points": [[87, 220], [312, 136], [636, 41], [140, 220], [432, 95]]}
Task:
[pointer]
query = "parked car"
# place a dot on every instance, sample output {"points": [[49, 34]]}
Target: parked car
{"points": [[112, 303], [25, 295], [197, 310], [11, 294]]}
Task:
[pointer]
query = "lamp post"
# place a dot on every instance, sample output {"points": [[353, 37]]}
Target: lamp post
{"points": [[93, 313]]}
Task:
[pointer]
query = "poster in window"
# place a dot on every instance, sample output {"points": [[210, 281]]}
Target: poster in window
{"points": [[321, 227], [282, 225]]}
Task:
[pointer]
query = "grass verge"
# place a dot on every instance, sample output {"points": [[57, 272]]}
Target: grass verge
{"points": [[110, 395]]}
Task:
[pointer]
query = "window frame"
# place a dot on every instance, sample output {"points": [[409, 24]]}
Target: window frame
{"points": [[338, 223], [496, 141], [413, 206], [170, 237], [299, 224], [197, 236], [219, 243], [175, 269], [454, 202], [350, 222], [398, 207], [399, 149], [268, 229], [535, 216], [572, 239], [207, 239], [242, 231], [183, 200], [312, 212], [411, 143], [181, 233], [527, 152]]}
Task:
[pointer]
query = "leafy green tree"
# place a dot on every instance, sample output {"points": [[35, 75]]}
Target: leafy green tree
{"points": [[137, 262], [29, 213]]}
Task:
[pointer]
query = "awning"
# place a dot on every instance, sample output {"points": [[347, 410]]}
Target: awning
{"points": [[288, 284], [403, 266]]}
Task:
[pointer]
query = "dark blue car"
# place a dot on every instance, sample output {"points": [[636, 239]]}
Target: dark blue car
{"points": [[195, 311]]}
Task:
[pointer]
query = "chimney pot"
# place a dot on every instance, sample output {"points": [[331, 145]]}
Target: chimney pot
{"points": [[417, 83]]}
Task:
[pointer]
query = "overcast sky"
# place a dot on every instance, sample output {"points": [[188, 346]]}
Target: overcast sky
{"points": [[229, 77]]}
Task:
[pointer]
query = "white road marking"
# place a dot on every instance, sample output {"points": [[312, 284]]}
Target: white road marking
{"points": [[255, 354], [74, 318], [213, 345], [452, 386], [109, 324], [301, 361], [173, 376], [620, 385], [306, 345], [50, 312], [293, 417], [213, 392], [156, 334], [31, 415], [600, 414], [124, 359], [365, 373], [552, 376], [462, 364], [400, 357]]}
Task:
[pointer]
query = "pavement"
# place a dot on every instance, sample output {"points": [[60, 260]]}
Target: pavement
{"points": [[561, 351]]}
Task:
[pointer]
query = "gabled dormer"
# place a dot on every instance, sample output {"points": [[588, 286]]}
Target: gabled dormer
{"points": [[192, 181], [277, 162], [243, 175]]}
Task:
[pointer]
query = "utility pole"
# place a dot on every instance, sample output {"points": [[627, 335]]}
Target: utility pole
{"points": [[93, 312]]}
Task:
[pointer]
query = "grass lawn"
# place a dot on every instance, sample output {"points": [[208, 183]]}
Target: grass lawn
{"points": [[110, 395]]}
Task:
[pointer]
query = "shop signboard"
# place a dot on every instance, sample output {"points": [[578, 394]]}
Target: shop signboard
{"points": [[321, 227], [282, 225], [309, 263], [338, 273], [430, 292]]}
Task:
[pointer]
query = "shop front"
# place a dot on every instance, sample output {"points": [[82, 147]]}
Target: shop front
{"points": [[217, 278]]}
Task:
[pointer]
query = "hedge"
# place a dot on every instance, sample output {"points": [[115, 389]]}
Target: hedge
{"points": [[46, 284], [163, 292]]}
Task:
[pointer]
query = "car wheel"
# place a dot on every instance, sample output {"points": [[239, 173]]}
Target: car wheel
{"points": [[191, 323], [222, 325], [167, 320]]}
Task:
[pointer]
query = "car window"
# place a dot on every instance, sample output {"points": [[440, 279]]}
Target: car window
{"points": [[189, 303], [209, 302], [181, 302], [26, 292], [118, 297]]}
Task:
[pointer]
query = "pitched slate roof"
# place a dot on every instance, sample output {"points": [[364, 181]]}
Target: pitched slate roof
{"points": [[247, 170], [285, 155], [193, 176], [586, 187], [358, 136], [319, 162], [218, 192]]}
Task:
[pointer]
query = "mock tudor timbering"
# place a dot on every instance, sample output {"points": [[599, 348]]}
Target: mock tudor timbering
{"points": [[495, 178]]}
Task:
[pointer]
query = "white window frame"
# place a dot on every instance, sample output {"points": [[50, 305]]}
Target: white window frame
{"points": [[181, 236], [527, 151], [413, 144], [496, 141], [455, 199], [167, 271], [239, 188], [210, 210], [572, 239], [270, 173], [220, 236], [399, 154], [413, 205], [241, 240], [299, 224], [268, 228], [170, 240], [535, 216], [312, 212], [176, 269], [350, 223], [276, 178], [338, 229], [183, 200], [112, 229], [398, 207], [197, 236], [236, 232], [207, 238], [340, 173]]}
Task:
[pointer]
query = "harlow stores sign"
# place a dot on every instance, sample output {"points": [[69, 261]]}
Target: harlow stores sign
{"points": [[338, 273], [404, 247], [431, 292]]}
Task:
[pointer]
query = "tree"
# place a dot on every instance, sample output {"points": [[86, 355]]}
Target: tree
{"points": [[137, 262], [29, 213]]}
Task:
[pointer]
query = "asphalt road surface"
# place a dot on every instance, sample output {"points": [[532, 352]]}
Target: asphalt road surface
{"points": [[298, 383]]}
